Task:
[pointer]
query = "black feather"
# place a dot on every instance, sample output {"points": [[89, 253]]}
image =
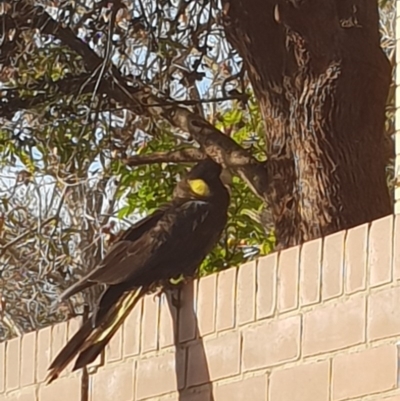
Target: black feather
{"points": [[172, 241]]}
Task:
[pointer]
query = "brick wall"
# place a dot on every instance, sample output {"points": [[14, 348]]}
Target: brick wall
{"points": [[397, 119], [319, 322]]}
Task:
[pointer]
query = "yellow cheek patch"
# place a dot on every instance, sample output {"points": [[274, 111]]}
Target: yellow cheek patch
{"points": [[199, 187]]}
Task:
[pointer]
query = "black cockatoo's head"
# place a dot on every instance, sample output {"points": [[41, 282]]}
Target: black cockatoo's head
{"points": [[203, 181]]}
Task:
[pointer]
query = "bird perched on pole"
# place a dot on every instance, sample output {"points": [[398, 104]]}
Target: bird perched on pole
{"points": [[171, 242]]}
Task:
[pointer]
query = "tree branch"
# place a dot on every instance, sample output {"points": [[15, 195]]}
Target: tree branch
{"points": [[70, 85], [25, 234], [36, 17], [177, 156], [222, 148], [214, 143]]}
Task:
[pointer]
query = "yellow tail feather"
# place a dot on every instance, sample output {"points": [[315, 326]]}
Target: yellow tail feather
{"points": [[89, 344]]}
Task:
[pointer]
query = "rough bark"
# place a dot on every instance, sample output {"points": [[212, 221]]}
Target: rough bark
{"points": [[322, 80]]}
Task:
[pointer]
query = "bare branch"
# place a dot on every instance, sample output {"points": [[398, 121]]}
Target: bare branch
{"points": [[221, 148], [25, 234], [178, 156], [215, 144], [117, 89]]}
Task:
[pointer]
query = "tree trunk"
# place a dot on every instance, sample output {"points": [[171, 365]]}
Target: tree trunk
{"points": [[321, 80]]}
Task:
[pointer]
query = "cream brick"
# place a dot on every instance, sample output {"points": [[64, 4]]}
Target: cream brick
{"points": [[187, 312], [380, 251], [168, 319], [73, 326], [333, 265], [288, 279], [206, 304], [335, 326], [383, 314], [271, 343], [13, 352], [397, 74], [356, 259], [113, 350], [397, 89], [158, 375], [59, 334], [397, 124], [397, 205], [62, 389], [25, 394], [214, 359], [150, 323], [246, 293], [267, 268], [113, 383], [310, 272], [131, 329], [28, 359], [226, 299], [252, 388], [2, 367], [397, 187], [397, 141], [307, 382], [364, 373], [396, 250], [43, 353], [389, 398], [58, 338], [397, 93]]}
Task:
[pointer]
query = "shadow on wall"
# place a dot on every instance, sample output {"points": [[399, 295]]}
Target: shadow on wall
{"points": [[191, 370], [192, 373]]}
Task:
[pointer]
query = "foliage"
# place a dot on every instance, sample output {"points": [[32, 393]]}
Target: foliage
{"points": [[152, 185]]}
